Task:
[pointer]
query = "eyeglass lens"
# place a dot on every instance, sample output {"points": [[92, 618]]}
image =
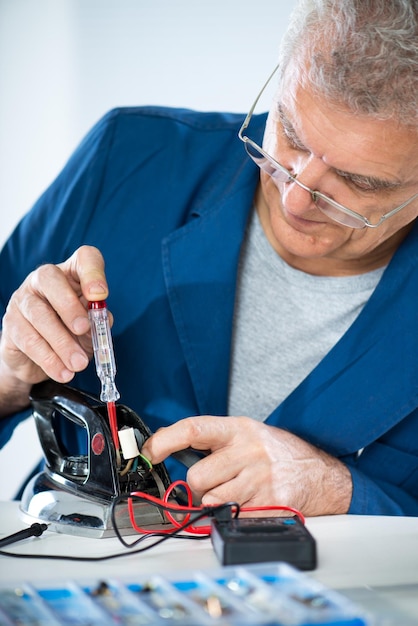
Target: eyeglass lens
{"points": [[280, 174]]}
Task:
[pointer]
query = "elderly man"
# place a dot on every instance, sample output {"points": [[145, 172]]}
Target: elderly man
{"points": [[267, 315]]}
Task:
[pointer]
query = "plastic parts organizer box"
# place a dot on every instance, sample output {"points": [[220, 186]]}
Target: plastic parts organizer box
{"points": [[274, 595]]}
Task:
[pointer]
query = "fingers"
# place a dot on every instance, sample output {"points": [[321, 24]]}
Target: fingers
{"points": [[39, 333], [46, 330], [85, 272], [242, 485], [203, 432], [255, 465], [217, 476]]}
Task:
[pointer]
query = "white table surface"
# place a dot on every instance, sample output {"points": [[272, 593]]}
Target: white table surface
{"points": [[372, 559]]}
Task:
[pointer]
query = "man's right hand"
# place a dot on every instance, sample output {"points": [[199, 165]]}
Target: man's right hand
{"points": [[46, 329]]}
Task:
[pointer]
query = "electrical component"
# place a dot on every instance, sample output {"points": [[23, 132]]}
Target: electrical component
{"points": [[262, 539], [103, 350], [105, 361], [128, 443], [91, 493], [92, 477]]}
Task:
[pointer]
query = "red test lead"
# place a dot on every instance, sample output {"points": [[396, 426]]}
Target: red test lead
{"points": [[105, 361]]}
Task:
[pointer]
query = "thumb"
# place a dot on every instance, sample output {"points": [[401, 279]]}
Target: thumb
{"points": [[85, 269]]}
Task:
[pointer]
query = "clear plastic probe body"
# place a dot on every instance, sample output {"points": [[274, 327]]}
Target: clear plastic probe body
{"points": [[105, 363], [103, 350]]}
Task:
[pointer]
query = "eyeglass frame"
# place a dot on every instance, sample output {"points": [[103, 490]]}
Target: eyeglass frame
{"points": [[293, 177]]}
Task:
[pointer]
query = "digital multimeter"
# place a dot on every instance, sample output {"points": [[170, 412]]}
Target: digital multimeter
{"points": [[262, 539]]}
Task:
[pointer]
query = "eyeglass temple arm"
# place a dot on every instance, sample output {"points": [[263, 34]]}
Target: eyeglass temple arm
{"points": [[251, 111]]}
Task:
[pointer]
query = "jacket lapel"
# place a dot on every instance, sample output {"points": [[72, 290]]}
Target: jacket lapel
{"points": [[368, 382], [200, 262]]}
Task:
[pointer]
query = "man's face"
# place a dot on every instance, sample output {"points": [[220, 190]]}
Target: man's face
{"points": [[368, 165]]}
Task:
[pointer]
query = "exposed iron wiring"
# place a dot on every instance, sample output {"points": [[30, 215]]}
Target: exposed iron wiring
{"points": [[191, 514], [173, 507], [197, 512]]}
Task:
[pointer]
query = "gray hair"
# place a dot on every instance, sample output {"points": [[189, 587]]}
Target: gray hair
{"points": [[361, 54]]}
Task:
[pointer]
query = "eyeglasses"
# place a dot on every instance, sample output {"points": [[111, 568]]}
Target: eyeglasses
{"points": [[334, 210]]}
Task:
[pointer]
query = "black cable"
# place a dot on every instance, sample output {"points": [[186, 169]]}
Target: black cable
{"points": [[206, 512], [66, 557], [35, 530], [209, 511]]}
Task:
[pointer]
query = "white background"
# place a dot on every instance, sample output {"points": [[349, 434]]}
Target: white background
{"points": [[63, 63]]}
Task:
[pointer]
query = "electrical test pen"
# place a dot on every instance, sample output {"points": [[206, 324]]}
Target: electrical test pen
{"points": [[105, 362]]}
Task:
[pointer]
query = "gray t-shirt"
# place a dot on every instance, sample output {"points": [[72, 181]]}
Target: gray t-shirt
{"points": [[285, 322]]}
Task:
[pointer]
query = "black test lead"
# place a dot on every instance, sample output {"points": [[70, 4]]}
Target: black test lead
{"points": [[35, 530]]}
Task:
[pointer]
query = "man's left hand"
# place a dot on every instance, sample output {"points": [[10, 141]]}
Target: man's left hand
{"points": [[255, 465]]}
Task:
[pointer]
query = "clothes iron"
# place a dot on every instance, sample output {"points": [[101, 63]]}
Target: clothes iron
{"points": [[75, 492]]}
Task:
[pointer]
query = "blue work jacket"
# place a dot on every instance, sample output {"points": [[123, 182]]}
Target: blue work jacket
{"points": [[166, 194]]}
